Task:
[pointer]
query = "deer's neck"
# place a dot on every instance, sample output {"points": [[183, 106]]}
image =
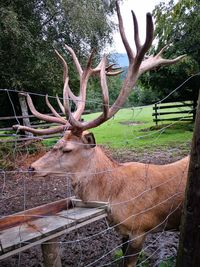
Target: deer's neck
{"points": [[95, 180]]}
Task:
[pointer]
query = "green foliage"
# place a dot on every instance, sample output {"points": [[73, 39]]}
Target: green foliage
{"points": [[48, 143], [94, 95], [118, 254], [168, 263], [142, 260], [143, 96], [91, 29], [29, 31], [176, 25]]}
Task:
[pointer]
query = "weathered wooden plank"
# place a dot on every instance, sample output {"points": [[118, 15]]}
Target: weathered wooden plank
{"points": [[89, 204], [35, 213], [172, 106], [46, 228], [50, 237], [32, 230], [172, 112], [15, 237], [175, 119], [79, 214]]}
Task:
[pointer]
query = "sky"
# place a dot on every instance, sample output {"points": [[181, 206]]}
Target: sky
{"points": [[140, 7]]}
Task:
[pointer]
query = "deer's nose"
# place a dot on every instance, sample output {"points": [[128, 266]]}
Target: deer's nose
{"points": [[31, 169]]}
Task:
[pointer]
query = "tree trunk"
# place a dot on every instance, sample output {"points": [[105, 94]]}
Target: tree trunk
{"points": [[189, 245]]}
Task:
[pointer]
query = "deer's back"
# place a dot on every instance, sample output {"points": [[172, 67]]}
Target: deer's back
{"points": [[150, 195]]}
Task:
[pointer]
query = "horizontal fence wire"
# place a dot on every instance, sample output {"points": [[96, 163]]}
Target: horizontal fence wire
{"points": [[79, 239]]}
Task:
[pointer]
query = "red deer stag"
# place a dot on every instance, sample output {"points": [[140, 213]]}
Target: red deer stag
{"points": [[143, 197]]}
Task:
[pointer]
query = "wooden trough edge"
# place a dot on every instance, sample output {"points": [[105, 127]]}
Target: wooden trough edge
{"points": [[48, 239], [47, 210]]}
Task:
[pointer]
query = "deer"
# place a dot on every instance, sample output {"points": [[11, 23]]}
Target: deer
{"points": [[143, 198]]}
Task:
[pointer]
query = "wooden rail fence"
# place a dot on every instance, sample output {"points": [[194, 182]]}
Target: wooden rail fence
{"points": [[7, 134], [161, 112]]}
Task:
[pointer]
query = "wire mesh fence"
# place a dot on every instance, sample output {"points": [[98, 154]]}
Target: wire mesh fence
{"points": [[98, 244]]}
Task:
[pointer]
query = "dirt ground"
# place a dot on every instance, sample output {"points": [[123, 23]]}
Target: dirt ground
{"points": [[20, 191]]}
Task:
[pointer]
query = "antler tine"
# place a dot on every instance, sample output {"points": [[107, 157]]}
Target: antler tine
{"points": [[43, 116], [66, 98], [89, 63], [72, 120], [110, 71], [53, 130], [123, 36], [149, 34], [65, 67], [101, 69], [60, 104], [83, 87], [66, 76], [55, 113], [148, 41], [66, 89], [156, 61], [79, 101], [104, 87], [136, 32], [75, 59], [168, 61], [58, 119], [162, 50]]}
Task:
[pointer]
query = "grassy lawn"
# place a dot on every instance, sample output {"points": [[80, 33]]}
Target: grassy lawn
{"points": [[134, 128]]}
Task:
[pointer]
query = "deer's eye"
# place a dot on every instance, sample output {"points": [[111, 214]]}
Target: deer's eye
{"points": [[66, 150]]}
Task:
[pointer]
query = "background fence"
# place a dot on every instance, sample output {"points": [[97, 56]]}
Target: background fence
{"points": [[161, 111]]}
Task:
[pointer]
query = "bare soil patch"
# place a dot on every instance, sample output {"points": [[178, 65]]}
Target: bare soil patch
{"points": [[131, 123]]}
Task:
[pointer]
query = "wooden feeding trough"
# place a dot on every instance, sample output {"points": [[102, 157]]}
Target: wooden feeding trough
{"points": [[43, 224]]}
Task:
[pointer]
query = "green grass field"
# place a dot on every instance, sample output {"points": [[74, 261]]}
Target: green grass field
{"points": [[134, 128]]}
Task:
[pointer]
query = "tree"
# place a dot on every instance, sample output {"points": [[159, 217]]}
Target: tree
{"points": [[29, 31], [176, 26]]}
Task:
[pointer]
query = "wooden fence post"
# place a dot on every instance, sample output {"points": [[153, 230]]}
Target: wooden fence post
{"points": [[51, 253], [156, 114], [24, 109], [189, 244]]}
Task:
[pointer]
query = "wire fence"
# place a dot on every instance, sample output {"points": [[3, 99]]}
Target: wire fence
{"points": [[98, 244]]}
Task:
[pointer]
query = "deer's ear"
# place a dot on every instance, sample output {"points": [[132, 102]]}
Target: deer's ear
{"points": [[89, 139]]}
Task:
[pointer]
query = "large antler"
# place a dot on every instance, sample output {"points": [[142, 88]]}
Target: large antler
{"points": [[138, 64], [72, 120]]}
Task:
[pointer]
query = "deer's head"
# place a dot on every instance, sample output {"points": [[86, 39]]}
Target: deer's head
{"points": [[69, 155], [77, 145]]}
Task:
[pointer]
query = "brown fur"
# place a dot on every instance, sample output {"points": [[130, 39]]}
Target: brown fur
{"points": [[143, 197]]}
